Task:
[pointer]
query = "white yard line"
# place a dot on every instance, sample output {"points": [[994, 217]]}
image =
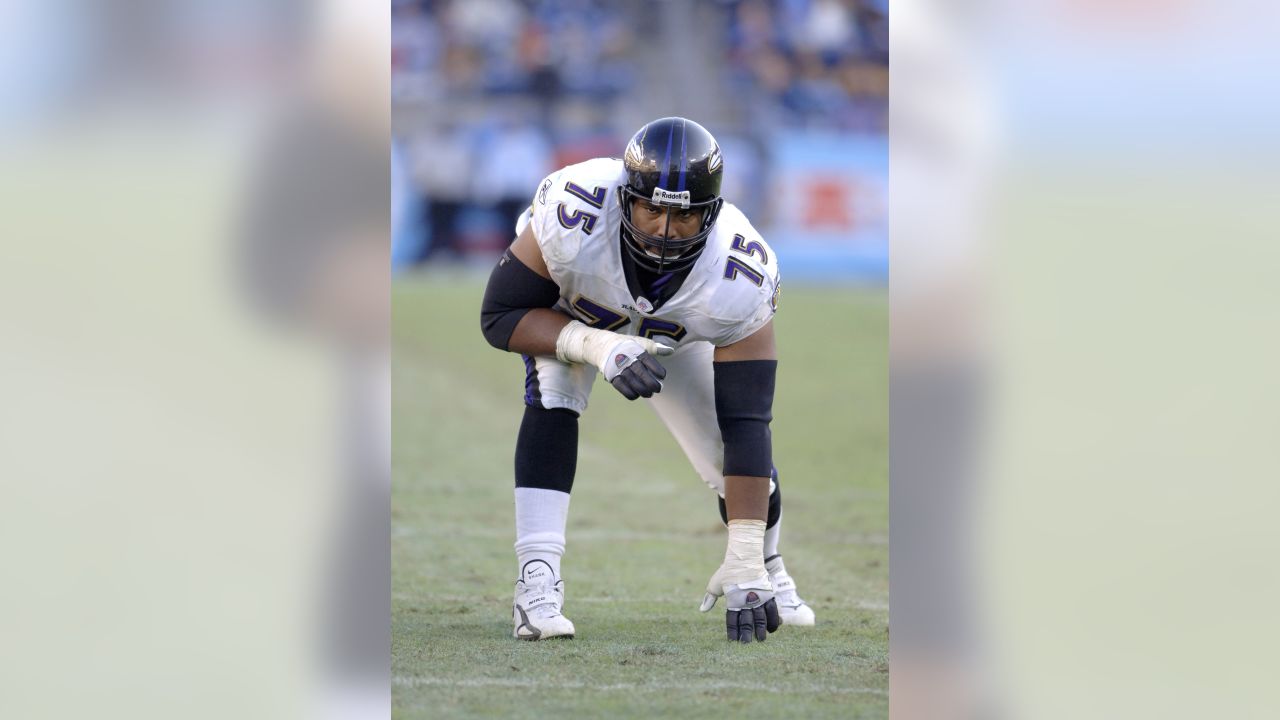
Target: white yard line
{"points": [[505, 533], [871, 605], [542, 684]]}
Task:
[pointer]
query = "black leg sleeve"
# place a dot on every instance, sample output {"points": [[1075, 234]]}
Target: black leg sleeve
{"points": [[547, 449]]}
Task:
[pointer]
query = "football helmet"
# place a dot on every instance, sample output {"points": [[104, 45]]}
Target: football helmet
{"points": [[675, 163]]}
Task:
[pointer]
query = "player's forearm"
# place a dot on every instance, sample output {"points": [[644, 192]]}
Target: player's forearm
{"points": [[537, 331], [746, 498], [744, 409]]}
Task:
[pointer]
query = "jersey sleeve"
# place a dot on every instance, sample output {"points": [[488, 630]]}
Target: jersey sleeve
{"points": [[569, 209], [558, 246], [745, 288]]}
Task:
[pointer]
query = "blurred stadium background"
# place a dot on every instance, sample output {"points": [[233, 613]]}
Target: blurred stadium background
{"points": [[488, 96], [177, 474]]}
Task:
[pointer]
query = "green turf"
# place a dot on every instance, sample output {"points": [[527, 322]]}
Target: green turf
{"points": [[643, 536]]}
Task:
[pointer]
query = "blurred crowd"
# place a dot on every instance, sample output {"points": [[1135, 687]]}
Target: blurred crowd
{"points": [[543, 48], [489, 96], [811, 63]]}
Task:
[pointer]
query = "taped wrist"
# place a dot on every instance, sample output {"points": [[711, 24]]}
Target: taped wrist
{"points": [[744, 409], [513, 291], [578, 343], [744, 555]]}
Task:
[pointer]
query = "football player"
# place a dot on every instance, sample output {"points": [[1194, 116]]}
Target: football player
{"points": [[638, 269]]}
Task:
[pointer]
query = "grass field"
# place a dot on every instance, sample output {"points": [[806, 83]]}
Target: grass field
{"points": [[643, 535]]}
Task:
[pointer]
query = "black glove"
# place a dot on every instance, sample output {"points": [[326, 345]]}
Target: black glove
{"points": [[760, 620], [641, 377], [752, 610]]}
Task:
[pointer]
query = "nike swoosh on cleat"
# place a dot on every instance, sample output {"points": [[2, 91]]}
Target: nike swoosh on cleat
{"points": [[524, 623]]}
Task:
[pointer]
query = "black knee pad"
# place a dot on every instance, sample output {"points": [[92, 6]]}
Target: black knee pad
{"points": [[547, 449], [775, 504]]}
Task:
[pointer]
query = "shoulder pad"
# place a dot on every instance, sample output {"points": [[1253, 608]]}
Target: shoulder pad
{"points": [[743, 284], [569, 204]]}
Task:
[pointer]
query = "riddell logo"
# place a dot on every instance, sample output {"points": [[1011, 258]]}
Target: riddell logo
{"points": [[666, 197]]}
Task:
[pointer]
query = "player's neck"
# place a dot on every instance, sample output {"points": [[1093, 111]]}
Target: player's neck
{"points": [[655, 287]]}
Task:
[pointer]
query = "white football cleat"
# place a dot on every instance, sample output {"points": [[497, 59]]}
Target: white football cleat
{"points": [[791, 608], [539, 597]]}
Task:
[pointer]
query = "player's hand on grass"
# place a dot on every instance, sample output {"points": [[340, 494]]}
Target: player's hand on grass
{"points": [[751, 610], [628, 362]]}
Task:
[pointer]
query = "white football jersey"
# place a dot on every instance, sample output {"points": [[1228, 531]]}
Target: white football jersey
{"points": [[730, 293]]}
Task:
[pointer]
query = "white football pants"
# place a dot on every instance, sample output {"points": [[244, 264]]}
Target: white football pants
{"points": [[686, 405]]}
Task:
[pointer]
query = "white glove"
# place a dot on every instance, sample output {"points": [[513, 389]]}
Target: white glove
{"points": [[743, 581], [738, 596], [626, 361]]}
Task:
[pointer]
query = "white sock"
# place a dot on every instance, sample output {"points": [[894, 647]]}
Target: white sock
{"points": [[540, 521], [771, 538]]}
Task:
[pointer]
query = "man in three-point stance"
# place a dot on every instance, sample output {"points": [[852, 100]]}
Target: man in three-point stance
{"points": [[638, 269]]}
